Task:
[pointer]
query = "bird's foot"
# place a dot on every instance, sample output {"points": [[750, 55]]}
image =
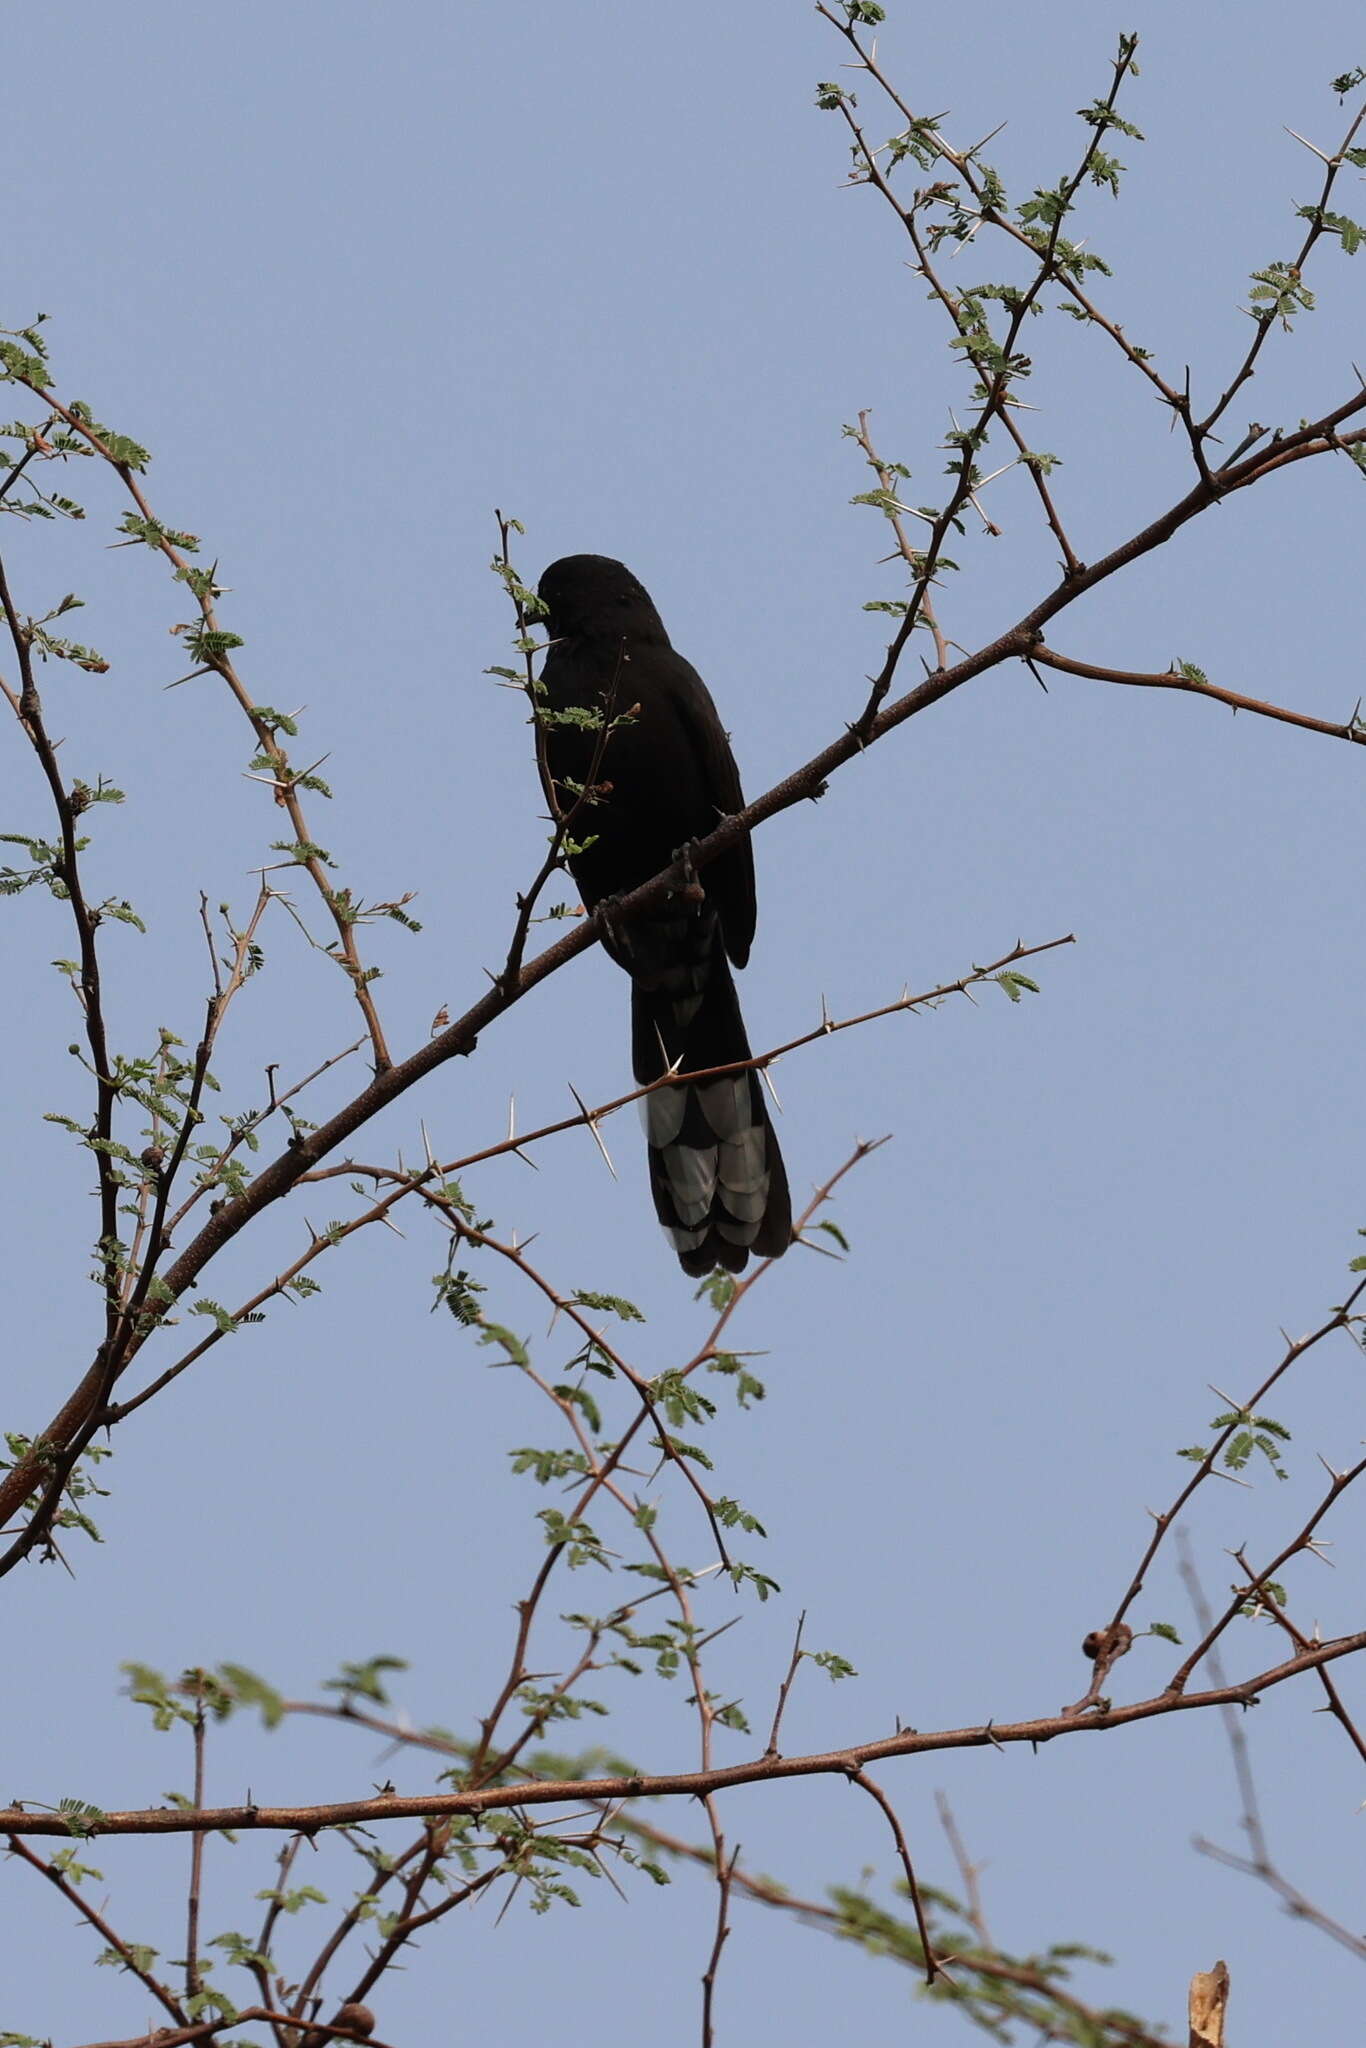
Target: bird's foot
{"points": [[690, 889]]}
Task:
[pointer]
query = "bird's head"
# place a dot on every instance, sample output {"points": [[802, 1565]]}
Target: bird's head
{"points": [[592, 597]]}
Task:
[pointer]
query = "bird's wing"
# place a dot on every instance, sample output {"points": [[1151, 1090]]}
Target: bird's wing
{"points": [[729, 880]]}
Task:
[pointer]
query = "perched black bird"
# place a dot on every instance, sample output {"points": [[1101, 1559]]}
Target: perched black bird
{"points": [[645, 773]]}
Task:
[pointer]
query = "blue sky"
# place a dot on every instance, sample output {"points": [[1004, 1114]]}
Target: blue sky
{"points": [[357, 277]]}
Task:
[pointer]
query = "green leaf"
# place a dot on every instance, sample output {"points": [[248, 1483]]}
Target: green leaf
{"points": [[514, 1347], [153, 534], [679, 1449], [207, 643], [545, 1465], [1238, 1450], [18, 366], [274, 721], [227, 1325], [580, 1398], [610, 1304], [208, 2000], [251, 1691], [740, 1574], [731, 1515], [366, 1680], [1349, 232], [239, 1949], [136, 1955], [832, 1664], [294, 1901], [79, 1817], [1101, 117]]}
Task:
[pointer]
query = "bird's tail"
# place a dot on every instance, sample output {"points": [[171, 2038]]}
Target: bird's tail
{"points": [[716, 1173]]}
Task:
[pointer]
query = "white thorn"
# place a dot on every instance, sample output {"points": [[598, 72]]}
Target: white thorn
{"points": [[592, 1124], [1328, 160]]}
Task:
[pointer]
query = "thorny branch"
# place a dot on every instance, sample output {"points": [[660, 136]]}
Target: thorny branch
{"points": [[1198, 686], [602, 1469], [205, 2030], [984, 1967], [76, 1421], [1259, 1862], [419, 1181], [934, 1967], [27, 706], [686, 1784], [163, 1994], [128, 1324], [217, 659], [1114, 1640]]}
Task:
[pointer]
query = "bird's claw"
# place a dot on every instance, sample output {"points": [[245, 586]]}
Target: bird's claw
{"points": [[690, 890]]}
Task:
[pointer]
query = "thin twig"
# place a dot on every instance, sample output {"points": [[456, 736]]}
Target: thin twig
{"points": [[1340, 1319], [217, 659], [126, 1951], [1176, 679], [933, 1966], [725, 1877], [785, 1688], [192, 1977], [968, 1871], [1259, 1863]]}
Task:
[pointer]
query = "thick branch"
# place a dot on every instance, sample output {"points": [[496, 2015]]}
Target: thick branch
{"points": [[846, 1762]]}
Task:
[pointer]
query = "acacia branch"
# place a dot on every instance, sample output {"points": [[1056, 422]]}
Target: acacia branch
{"points": [[163, 1994], [219, 662], [829, 1027], [1337, 1707], [606, 1467], [1259, 1863], [1251, 1591], [933, 1967], [29, 709], [48, 1464], [1176, 679], [205, 2030], [1266, 318], [77, 1419], [1115, 1638], [192, 1970], [986, 1964], [683, 1784]]}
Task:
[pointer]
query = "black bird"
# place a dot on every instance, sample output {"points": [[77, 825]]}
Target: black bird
{"points": [[647, 771]]}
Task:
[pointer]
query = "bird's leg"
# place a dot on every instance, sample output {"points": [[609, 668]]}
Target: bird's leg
{"points": [[614, 934], [691, 891]]}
